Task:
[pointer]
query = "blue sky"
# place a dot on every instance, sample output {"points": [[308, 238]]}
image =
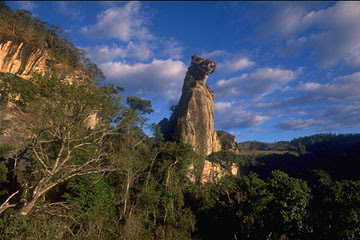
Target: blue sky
{"points": [[284, 69]]}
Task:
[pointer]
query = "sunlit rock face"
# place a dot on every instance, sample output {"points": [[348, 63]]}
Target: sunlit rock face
{"points": [[213, 172], [193, 118], [21, 58]]}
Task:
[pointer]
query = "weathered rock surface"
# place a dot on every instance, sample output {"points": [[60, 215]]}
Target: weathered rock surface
{"points": [[213, 171], [20, 57], [23, 58], [227, 140], [193, 118]]}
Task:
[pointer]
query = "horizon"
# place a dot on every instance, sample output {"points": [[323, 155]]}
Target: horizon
{"points": [[284, 69]]}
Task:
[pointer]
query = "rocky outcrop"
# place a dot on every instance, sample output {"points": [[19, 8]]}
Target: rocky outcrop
{"points": [[193, 119], [213, 171], [20, 57], [227, 140], [23, 58]]}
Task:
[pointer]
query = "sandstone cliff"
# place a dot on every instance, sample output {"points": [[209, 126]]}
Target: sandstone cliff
{"points": [[20, 57]]}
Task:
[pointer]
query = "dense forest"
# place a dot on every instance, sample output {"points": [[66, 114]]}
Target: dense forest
{"points": [[65, 178]]}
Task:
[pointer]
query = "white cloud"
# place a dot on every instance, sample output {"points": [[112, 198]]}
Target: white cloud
{"points": [[331, 106], [135, 50], [343, 116], [70, 9], [215, 53], [122, 23], [160, 78], [353, 59], [129, 24], [331, 33], [222, 106], [341, 89], [328, 119], [171, 48], [237, 117], [285, 21], [103, 53], [234, 65], [27, 5], [261, 82], [299, 124]]}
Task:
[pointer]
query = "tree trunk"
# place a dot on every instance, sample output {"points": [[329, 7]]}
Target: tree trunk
{"points": [[28, 207], [126, 192]]}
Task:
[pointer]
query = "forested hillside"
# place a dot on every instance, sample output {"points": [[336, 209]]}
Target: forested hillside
{"points": [[337, 154], [80, 166]]}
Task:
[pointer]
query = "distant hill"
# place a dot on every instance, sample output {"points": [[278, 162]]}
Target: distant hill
{"points": [[264, 146], [337, 154]]}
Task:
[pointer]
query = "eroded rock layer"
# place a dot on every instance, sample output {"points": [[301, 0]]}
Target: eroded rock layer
{"points": [[23, 58], [20, 58]]}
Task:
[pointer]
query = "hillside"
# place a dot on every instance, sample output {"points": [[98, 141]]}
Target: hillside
{"points": [[75, 162], [28, 44], [336, 154]]}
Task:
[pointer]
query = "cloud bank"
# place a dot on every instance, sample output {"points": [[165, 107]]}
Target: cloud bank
{"points": [[159, 78], [122, 23]]}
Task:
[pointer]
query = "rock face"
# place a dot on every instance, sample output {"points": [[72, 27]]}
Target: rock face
{"points": [[193, 119], [213, 171], [227, 140], [21, 58]]}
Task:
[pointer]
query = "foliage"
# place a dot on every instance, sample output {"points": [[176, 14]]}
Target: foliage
{"points": [[227, 158], [4, 151], [289, 206], [143, 106], [63, 145]]}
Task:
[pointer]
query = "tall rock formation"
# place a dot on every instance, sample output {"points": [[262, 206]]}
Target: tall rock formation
{"points": [[193, 119]]}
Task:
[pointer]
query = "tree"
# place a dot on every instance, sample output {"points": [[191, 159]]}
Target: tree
{"points": [[237, 206], [252, 200], [161, 200], [345, 205], [143, 106], [335, 208], [63, 142], [227, 159], [288, 208], [5, 204]]}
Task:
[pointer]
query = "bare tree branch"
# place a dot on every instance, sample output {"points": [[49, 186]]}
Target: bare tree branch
{"points": [[6, 204]]}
